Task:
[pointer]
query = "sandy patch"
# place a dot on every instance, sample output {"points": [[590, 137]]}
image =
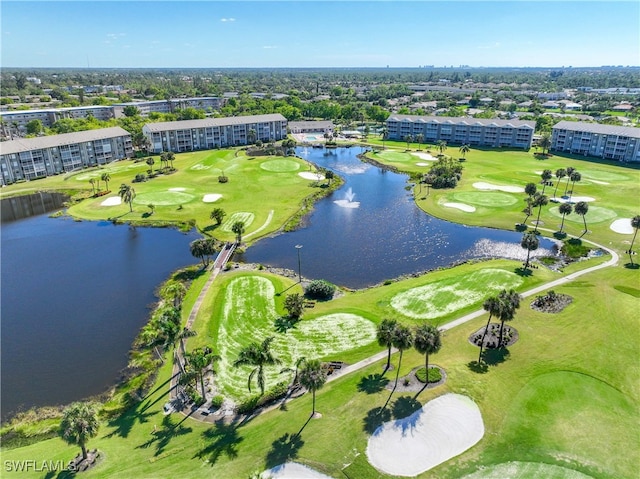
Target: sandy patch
{"points": [[461, 206], [443, 428], [573, 199], [307, 175], [425, 156], [177, 189], [422, 164], [211, 198], [481, 185], [112, 201], [292, 470], [622, 226]]}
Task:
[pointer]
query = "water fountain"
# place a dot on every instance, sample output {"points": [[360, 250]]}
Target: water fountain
{"points": [[348, 202]]}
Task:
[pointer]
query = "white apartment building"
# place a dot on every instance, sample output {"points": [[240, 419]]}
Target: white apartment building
{"points": [[460, 131], [620, 143], [205, 103], [50, 115], [191, 135], [31, 158]]}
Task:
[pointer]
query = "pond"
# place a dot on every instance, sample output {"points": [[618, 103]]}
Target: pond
{"points": [[74, 296], [370, 230]]}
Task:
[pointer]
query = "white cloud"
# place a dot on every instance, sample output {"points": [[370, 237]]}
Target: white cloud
{"points": [[269, 47], [115, 36], [227, 19]]}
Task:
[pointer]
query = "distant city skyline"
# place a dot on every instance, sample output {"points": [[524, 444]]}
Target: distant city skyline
{"points": [[307, 34]]}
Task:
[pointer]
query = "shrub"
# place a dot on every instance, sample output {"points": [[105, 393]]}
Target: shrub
{"points": [[320, 289], [217, 401], [276, 392], [223, 179], [434, 375], [140, 177]]}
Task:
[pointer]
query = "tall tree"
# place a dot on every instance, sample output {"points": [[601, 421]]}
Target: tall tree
{"points": [[545, 176], [384, 135], [402, 340], [560, 173], [238, 228], [545, 143], [492, 306], [79, 424], [92, 182], [565, 209], [203, 248], [570, 171], [419, 139], [427, 341], [384, 335], [582, 208], [635, 224], [509, 302], [294, 304], [312, 377], [464, 149], [106, 177], [171, 156], [198, 361], [530, 189], [218, 215], [127, 193], [539, 200], [529, 242], [150, 161], [442, 146], [252, 136], [259, 356], [575, 177], [174, 291]]}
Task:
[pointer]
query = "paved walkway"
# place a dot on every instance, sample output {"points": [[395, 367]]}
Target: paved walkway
{"points": [[213, 417]]}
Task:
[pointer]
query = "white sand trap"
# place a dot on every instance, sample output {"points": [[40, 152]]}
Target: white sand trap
{"points": [[422, 164], [481, 185], [573, 199], [307, 175], [112, 201], [441, 429], [460, 206], [211, 198], [424, 156], [292, 470], [622, 226], [177, 189]]}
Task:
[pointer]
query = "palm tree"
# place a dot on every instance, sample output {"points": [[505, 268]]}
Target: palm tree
{"points": [[252, 136], [313, 377], [530, 189], [442, 146], [575, 177], [545, 143], [402, 339], [198, 361], [175, 291], [294, 304], [299, 362], [427, 341], [203, 248], [582, 208], [546, 175], [127, 193], [259, 356], [150, 161], [464, 149], [560, 173], [170, 157], [238, 228], [539, 201], [570, 171], [79, 424], [492, 306], [106, 177], [565, 209], [527, 210], [409, 140], [384, 334], [93, 185], [163, 158], [384, 136], [530, 242], [509, 302], [419, 139], [635, 224], [218, 214]]}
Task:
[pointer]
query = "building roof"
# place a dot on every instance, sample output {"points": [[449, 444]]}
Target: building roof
{"points": [[212, 122], [320, 124], [463, 121], [43, 142], [629, 131]]}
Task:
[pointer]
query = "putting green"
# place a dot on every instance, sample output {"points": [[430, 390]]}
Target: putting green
{"points": [[485, 198], [248, 315], [244, 216], [526, 470], [603, 175], [96, 174], [396, 156], [452, 294], [596, 214], [163, 198], [280, 166]]}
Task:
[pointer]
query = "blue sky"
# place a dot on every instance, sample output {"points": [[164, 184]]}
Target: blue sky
{"points": [[221, 34]]}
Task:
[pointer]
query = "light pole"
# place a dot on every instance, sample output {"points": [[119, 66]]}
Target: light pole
{"points": [[299, 247]]}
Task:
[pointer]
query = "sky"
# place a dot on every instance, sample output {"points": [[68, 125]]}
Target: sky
{"points": [[270, 34]]}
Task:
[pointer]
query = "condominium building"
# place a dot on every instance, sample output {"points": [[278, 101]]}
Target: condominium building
{"points": [[31, 158], [206, 103], [190, 135], [471, 131], [50, 115], [620, 143]]}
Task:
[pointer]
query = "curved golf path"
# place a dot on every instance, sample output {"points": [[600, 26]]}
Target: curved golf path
{"points": [[221, 260]]}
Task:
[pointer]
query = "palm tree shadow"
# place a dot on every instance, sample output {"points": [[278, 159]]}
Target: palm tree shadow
{"points": [[405, 406], [375, 418], [493, 357], [283, 324], [220, 439], [284, 449], [373, 383], [632, 265], [123, 424], [209, 228], [476, 367], [163, 436], [520, 227], [523, 271]]}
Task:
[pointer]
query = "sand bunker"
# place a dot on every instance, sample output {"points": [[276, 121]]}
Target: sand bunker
{"points": [[177, 189], [622, 226], [425, 156], [460, 206], [307, 175], [211, 198], [292, 470], [441, 429], [422, 164], [112, 201], [481, 185], [573, 199]]}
